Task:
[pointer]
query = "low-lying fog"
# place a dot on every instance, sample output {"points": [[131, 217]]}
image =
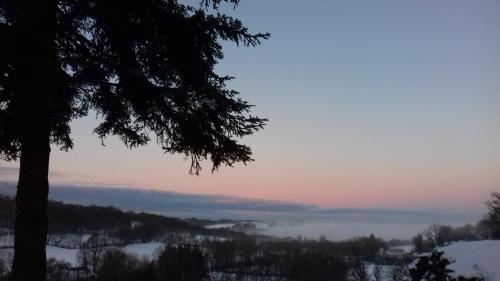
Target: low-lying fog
{"points": [[350, 223], [273, 218]]}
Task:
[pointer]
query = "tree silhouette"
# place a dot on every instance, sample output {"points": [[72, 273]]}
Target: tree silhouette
{"points": [[181, 263], [492, 219], [145, 67], [432, 268], [435, 268]]}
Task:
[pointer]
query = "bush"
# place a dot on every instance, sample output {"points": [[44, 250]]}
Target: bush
{"points": [[435, 268]]}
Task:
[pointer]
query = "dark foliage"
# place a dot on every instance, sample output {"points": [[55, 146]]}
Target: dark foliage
{"points": [[366, 247], [58, 271], [280, 258], [181, 263], [438, 235], [435, 268], [128, 226], [317, 267], [145, 67], [491, 220], [420, 245], [432, 268], [116, 265], [7, 212], [358, 270]]}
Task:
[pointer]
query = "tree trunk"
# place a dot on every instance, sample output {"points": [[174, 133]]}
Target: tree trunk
{"points": [[31, 215], [36, 83]]}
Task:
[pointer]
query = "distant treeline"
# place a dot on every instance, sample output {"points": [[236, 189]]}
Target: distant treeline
{"points": [[130, 226], [438, 235]]}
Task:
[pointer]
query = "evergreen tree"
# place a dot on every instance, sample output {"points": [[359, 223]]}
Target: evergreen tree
{"points": [[146, 67], [435, 268], [432, 268]]}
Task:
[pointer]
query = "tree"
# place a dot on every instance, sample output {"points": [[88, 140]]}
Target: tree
{"points": [[435, 268], [420, 244], [115, 265], [3, 269], [90, 254], [58, 270], [358, 270], [145, 67], [399, 272], [181, 263], [378, 273], [438, 235], [317, 267], [432, 268], [492, 219]]}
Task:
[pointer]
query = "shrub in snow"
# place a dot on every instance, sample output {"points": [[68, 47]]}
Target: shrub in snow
{"points": [[435, 268]]}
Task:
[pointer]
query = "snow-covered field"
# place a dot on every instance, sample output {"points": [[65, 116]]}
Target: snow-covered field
{"points": [[67, 255], [62, 254], [147, 250], [469, 257]]}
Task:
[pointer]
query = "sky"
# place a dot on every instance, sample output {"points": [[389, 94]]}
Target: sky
{"points": [[371, 104]]}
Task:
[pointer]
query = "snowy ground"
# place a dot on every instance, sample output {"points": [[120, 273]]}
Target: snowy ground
{"points": [[67, 255], [6, 241], [147, 250], [472, 256], [62, 254], [385, 271]]}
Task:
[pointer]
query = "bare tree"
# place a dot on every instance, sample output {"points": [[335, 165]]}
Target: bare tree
{"points": [[399, 272], [377, 272], [492, 219], [358, 271], [115, 264], [3, 268], [90, 254]]}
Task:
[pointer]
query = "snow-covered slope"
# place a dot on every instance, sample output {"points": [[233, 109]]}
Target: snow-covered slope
{"points": [[147, 250], [470, 257]]}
